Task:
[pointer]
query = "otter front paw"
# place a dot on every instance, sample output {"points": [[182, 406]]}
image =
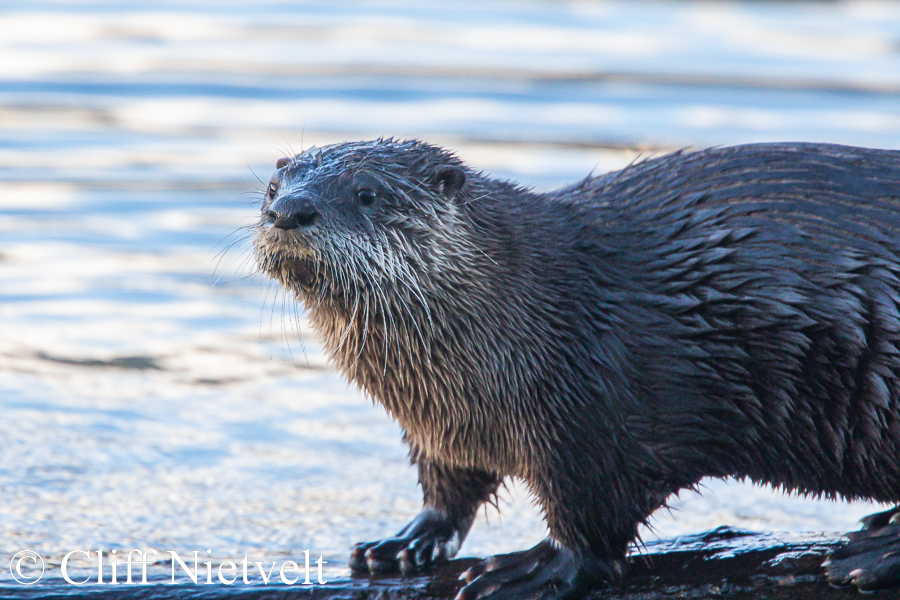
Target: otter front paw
{"points": [[870, 560], [545, 572], [430, 537]]}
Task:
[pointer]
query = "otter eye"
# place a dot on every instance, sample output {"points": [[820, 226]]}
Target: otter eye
{"points": [[366, 197], [272, 189]]}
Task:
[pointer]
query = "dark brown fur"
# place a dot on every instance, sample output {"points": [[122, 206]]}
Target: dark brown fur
{"points": [[731, 312]]}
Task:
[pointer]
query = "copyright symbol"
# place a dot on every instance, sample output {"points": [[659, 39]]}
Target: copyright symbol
{"points": [[24, 567]]}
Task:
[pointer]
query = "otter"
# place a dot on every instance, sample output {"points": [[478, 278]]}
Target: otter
{"points": [[731, 312]]}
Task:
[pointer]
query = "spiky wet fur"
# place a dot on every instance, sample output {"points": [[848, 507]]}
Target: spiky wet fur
{"points": [[730, 312]]}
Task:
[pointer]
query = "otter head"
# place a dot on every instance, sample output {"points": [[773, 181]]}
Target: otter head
{"points": [[358, 232]]}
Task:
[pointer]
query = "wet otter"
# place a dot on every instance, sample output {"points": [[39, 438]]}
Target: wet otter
{"points": [[730, 312]]}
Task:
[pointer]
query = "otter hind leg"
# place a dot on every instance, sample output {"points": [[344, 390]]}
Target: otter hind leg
{"points": [[547, 571], [870, 560], [452, 497]]}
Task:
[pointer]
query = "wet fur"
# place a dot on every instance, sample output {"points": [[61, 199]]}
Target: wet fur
{"points": [[730, 312]]}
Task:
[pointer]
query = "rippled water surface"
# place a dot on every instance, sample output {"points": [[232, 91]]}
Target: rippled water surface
{"points": [[154, 393]]}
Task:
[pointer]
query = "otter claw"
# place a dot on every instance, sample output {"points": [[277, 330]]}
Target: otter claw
{"points": [[358, 558], [870, 560], [404, 563]]}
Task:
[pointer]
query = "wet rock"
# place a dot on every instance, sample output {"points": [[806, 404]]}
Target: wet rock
{"points": [[724, 563]]}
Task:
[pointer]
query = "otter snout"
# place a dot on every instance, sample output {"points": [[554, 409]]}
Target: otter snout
{"points": [[292, 212]]}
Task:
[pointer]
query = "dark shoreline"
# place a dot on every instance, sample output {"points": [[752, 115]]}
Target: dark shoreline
{"points": [[723, 563]]}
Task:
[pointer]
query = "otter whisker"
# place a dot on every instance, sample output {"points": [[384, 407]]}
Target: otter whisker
{"points": [[475, 199], [365, 332], [265, 303], [272, 307], [261, 182], [378, 298], [399, 275], [394, 325], [401, 268], [242, 265], [404, 275], [472, 245], [243, 238], [357, 251], [384, 262], [350, 322], [285, 343], [404, 304], [295, 310]]}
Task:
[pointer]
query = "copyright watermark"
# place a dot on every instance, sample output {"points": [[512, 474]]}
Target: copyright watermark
{"points": [[27, 568]]}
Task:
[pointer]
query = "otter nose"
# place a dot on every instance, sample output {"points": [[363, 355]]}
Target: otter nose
{"points": [[291, 213]]}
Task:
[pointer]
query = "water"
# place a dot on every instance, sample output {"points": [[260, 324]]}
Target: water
{"points": [[156, 394]]}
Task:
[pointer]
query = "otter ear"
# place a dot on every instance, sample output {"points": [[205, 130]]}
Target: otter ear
{"points": [[281, 162], [449, 180]]}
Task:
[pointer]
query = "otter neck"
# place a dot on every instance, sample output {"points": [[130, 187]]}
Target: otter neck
{"points": [[435, 358]]}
